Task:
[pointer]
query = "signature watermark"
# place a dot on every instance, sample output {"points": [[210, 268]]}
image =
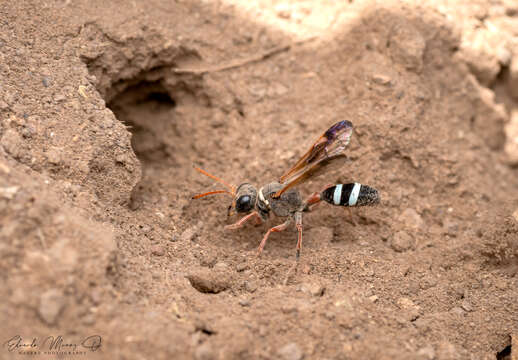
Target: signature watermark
{"points": [[53, 345]]}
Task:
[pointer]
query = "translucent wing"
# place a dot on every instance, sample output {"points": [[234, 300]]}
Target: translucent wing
{"points": [[325, 152]]}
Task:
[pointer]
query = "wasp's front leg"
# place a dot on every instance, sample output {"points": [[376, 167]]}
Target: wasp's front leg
{"points": [[243, 220]]}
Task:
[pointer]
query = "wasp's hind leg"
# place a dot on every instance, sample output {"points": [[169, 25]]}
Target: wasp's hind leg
{"points": [[243, 220], [294, 267], [277, 228], [298, 224]]}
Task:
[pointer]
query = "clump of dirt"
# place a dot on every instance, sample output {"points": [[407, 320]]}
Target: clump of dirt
{"points": [[500, 234], [105, 110]]}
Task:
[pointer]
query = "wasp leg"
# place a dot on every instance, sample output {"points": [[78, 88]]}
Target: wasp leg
{"points": [[298, 224], [277, 228], [243, 220]]}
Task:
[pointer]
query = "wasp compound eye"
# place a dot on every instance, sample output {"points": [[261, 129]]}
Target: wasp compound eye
{"points": [[245, 198], [244, 203]]}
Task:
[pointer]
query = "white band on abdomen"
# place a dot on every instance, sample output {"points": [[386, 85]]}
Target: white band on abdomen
{"points": [[353, 198], [337, 195]]}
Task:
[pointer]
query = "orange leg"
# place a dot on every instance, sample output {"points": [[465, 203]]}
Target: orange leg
{"points": [[277, 228], [243, 220], [298, 224]]}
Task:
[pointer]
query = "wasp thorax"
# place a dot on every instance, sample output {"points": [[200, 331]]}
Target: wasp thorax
{"points": [[246, 196]]}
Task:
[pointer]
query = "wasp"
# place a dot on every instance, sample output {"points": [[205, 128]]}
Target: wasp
{"points": [[282, 198]]}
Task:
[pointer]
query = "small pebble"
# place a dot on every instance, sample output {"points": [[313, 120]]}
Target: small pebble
{"points": [[402, 241], [457, 311], [9, 191], [188, 234], [221, 266], [96, 295], [410, 310], [306, 269], [501, 284], [411, 219], [422, 323], [290, 351], [250, 286], [427, 352], [283, 11], [446, 350], [204, 352], [59, 98], [46, 81], [406, 303], [329, 315], [209, 281], [144, 229], [158, 250], [381, 79], [289, 308], [450, 228], [242, 267], [466, 306], [314, 289], [89, 319], [279, 89], [13, 143], [244, 302], [55, 155], [52, 303]]}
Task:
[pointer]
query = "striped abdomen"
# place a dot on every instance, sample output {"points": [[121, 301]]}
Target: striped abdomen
{"points": [[353, 194]]}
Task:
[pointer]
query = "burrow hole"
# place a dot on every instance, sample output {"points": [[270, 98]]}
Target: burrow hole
{"points": [[504, 354], [146, 108], [158, 110]]}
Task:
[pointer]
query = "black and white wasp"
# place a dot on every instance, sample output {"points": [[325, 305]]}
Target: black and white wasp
{"points": [[284, 201]]}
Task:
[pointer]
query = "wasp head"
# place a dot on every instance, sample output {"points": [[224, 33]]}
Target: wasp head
{"points": [[245, 199]]}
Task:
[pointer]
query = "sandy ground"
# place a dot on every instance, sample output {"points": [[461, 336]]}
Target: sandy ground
{"points": [[106, 105]]}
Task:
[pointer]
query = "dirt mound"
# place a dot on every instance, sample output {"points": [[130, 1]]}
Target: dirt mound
{"points": [[105, 109]]}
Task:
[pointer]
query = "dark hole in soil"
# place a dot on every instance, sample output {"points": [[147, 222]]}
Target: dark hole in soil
{"points": [[160, 97], [146, 108], [505, 354], [204, 330]]}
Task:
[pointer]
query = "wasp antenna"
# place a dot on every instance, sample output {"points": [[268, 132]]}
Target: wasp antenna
{"points": [[212, 193], [232, 188]]}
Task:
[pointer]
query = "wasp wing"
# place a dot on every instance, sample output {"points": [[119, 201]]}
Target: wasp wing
{"points": [[324, 153]]}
